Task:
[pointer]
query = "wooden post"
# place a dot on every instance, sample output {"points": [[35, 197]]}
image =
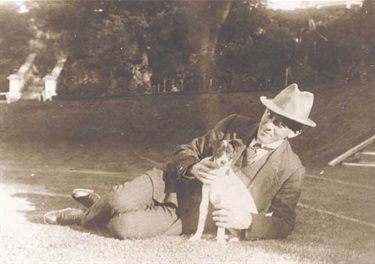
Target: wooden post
{"points": [[15, 87], [182, 84], [165, 85], [286, 76], [351, 151], [158, 88], [49, 87]]}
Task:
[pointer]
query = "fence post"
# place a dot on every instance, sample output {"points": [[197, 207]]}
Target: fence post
{"points": [[182, 84], [286, 77], [50, 80], [49, 87], [15, 87]]}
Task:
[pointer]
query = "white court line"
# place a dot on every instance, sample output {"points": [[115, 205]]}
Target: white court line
{"points": [[341, 182], [150, 160], [157, 163], [320, 210], [45, 193], [96, 172], [31, 170], [350, 219]]}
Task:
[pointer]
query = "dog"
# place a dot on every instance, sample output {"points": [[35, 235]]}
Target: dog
{"points": [[228, 190]]}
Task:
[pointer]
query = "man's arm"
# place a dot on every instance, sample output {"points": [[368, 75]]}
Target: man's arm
{"points": [[193, 152], [283, 207]]}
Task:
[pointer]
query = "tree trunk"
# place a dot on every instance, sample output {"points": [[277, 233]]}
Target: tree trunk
{"points": [[206, 20], [112, 82]]}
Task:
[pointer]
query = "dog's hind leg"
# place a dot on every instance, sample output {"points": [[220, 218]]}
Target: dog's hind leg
{"points": [[220, 236], [203, 211]]}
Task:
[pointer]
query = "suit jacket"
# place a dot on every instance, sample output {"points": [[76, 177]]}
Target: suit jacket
{"points": [[275, 185]]}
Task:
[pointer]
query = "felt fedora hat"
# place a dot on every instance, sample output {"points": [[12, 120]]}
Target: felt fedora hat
{"points": [[292, 104]]}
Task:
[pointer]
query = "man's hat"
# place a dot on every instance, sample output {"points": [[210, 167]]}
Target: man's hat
{"points": [[292, 104]]}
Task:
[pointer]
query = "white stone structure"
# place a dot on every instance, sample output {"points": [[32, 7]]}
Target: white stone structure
{"points": [[18, 80], [15, 86], [50, 81]]}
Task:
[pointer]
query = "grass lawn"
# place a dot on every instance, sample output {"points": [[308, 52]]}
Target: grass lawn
{"points": [[48, 149]]}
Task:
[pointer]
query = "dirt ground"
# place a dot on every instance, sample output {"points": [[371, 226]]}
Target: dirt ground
{"points": [[49, 149]]}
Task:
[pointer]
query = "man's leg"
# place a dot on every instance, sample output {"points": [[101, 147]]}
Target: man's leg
{"points": [[130, 196], [135, 209], [150, 222]]}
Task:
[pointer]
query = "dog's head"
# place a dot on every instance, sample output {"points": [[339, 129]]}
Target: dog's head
{"points": [[223, 152]]}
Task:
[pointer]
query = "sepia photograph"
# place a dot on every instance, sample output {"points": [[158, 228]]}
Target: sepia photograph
{"points": [[187, 131]]}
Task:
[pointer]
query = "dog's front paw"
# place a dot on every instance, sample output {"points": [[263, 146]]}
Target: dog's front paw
{"points": [[221, 240], [234, 240], [195, 238]]}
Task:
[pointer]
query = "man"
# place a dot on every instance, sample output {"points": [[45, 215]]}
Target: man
{"points": [[165, 201]]}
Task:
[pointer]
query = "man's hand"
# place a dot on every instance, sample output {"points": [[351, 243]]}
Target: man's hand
{"points": [[205, 171], [235, 218]]}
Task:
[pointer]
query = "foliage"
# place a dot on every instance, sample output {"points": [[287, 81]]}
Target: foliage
{"points": [[340, 45], [255, 55], [249, 48], [15, 41], [354, 36], [100, 39]]}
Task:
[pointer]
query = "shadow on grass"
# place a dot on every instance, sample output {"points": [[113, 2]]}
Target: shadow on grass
{"points": [[42, 204], [317, 238]]}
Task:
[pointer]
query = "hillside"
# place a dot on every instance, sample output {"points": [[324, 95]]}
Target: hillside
{"points": [[93, 132]]}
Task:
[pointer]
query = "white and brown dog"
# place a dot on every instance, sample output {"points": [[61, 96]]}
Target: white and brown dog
{"points": [[228, 190]]}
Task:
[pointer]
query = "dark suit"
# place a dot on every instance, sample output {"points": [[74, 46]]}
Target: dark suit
{"points": [[275, 184], [164, 201]]}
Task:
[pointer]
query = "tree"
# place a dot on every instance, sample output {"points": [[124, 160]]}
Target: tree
{"points": [[240, 46], [205, 20], [15, 45]]}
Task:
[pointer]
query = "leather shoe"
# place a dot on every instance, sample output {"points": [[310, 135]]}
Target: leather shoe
{"points": [[86, 197], [67, 216]]}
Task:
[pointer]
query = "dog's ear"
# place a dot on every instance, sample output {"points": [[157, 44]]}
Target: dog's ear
{"points": [[217, 148], [235, 143], [230, 151], [228, 148], [216, 144]]}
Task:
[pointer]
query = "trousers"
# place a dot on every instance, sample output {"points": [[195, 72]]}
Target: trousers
{"points": [[140, 209]]}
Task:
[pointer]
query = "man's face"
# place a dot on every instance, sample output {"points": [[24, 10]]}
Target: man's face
{"points": [[272, 128]]}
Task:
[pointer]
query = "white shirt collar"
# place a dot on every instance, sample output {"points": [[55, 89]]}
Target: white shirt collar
{"points": [[272, 145]]}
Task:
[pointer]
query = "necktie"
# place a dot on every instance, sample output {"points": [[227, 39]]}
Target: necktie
{"points": [[250, 155]]}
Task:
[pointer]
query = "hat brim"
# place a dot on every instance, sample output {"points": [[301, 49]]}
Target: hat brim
{"points": [[274, 108]]}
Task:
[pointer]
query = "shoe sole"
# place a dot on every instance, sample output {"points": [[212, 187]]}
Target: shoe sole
{"points": [[58, 214], [81, 192], [82, 196], [45, 217]]}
